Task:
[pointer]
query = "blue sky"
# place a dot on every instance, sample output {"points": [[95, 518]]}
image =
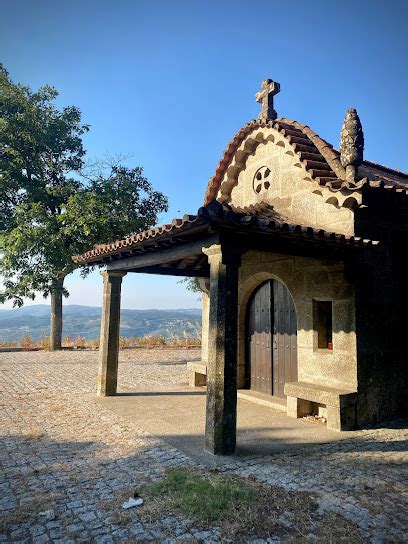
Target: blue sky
{"points": [[169, 83]]}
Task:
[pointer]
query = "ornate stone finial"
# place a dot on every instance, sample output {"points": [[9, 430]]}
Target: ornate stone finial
{"points": [[351, 144], [265, 97]]}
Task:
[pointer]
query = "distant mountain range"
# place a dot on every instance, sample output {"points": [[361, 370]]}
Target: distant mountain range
{"points": [[85, 321]]}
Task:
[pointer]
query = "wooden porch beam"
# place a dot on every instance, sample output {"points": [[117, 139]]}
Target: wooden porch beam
{"points": [[173, 271], [161, 256]]}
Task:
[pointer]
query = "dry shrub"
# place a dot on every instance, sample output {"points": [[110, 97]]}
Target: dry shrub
{"points": [[44, 342], [68, 342], [93, 344], [133, 341], [26, 342], [8, 344], [146, 342], [151, 342], [124, 342], [79, 342], [186, 342]]}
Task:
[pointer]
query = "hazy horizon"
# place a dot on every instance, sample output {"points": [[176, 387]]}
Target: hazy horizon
{"points": [[85, 321], [2, 307]]}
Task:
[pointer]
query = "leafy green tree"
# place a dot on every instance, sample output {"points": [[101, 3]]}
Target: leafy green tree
{"points": [[51, 208]]}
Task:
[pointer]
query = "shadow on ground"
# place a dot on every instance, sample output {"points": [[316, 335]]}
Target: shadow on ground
{"points": [[177, 416]]}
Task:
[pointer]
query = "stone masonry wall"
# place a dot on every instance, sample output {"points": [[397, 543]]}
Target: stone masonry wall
{"points": [[306, 279], [381, 308]]}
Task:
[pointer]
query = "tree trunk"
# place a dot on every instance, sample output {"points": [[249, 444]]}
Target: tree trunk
{"points": [[56, 318]]}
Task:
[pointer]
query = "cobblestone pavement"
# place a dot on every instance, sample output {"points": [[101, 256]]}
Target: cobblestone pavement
{"points": [[66, 462]]}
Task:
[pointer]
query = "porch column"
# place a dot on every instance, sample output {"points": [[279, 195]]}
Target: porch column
{"points": [[221, 414], [205, 307], [109, 342]]}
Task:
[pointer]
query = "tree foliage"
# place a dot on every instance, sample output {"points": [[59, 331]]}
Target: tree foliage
{"points": [[51, 208], [191, 284]]}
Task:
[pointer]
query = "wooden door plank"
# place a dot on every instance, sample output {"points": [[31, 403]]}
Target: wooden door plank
{"points": [[264, 325], [286, 376], [285, 339], [270, 339], [293, 344], [251, 340], [275, 339], [282, 339], [260, 338]]}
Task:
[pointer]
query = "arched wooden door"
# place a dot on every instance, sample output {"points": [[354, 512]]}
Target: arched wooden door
{"points": [[272, 341]]}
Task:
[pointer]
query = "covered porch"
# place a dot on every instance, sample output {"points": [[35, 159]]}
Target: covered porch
{"points": [[177, 415], [210, 246]]}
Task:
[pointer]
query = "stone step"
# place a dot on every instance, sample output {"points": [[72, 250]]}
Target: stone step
{"points": [[264, 400]]}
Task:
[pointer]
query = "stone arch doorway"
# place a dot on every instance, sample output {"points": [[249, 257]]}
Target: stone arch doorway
{"points": [[271, 339]]}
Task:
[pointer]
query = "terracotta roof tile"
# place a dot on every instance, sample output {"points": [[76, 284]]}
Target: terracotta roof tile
{"points": [[214, 213], [135, 240]]}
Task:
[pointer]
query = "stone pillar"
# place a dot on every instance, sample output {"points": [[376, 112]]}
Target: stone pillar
{"points": [[205, 317], [109, 342], [343, 417], [221, 413]]}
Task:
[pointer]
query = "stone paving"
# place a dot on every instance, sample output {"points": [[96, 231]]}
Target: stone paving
{"points": [[67, 463]]}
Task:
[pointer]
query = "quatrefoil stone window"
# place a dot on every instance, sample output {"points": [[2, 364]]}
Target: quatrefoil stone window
{"points": [[261, 181]]}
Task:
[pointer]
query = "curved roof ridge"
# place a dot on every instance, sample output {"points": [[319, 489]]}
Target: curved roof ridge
{"points": [[328, 154], [215, 182], [386, 168], [325, 149]]}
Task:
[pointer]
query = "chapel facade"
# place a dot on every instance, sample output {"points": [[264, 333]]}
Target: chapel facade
{"points": [[299, 249]]}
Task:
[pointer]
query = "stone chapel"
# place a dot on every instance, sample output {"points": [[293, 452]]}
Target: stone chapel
{"points": [[300, 252]]}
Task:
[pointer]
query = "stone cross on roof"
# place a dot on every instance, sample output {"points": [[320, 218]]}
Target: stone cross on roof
{"points": [[265, 97]]}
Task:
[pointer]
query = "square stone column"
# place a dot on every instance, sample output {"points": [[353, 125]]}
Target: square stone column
{"points": [[221, 413], [205, 316], [109, 342]]}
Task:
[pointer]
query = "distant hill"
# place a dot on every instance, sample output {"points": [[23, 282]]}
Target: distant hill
{"points": [[85, 321]]}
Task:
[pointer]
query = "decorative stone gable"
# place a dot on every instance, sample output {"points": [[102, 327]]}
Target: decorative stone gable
{"points": [[266, 172]]}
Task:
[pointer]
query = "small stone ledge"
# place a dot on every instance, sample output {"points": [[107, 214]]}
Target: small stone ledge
{"points": [[340, 403], [269, 401], [320, 393], [197, 373]]}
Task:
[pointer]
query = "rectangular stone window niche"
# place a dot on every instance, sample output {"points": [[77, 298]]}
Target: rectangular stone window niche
{"points": [[323, 324]]}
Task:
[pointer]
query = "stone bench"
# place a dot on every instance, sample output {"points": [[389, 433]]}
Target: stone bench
{"points": [[340, 403], [197, 374]]}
